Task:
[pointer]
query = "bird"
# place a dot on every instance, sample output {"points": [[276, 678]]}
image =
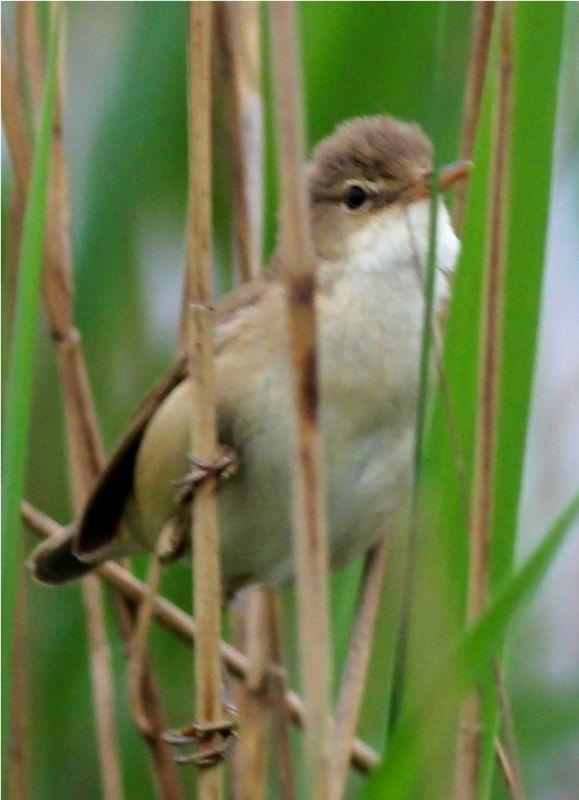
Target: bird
{"points": [[369, 189]]}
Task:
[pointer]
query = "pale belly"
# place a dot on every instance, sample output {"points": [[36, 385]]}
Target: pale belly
{"points": [[368, 387], [366, 474], [367, 481]]}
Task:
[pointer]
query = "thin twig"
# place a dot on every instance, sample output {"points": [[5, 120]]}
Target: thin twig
{"points": [[309, 514], [507, 752], [477, 67], [138, 646], [205, 532], [364, 758], [356, 668], [487, 417]]}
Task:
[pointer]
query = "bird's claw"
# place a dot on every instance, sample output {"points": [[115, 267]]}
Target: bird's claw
{"points": [[223, 467], [201, 734]]}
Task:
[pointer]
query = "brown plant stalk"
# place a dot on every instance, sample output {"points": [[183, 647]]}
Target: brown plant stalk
{"points": [[506, 749], [205, 533], [487, 406], [363, 757], [238, 29], [481, 38], [86, 453], [356, 668], [309, 514], [250, 756], [259, 624], [279, 698]]}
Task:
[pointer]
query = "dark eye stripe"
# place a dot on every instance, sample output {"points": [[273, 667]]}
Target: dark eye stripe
{"points": [[375, 198]]}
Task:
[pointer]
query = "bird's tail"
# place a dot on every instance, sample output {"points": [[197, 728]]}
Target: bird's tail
{"points": [[54, 561]]}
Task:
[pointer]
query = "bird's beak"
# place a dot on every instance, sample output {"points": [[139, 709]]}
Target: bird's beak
{"points": [[447, 177], [452, 173]]}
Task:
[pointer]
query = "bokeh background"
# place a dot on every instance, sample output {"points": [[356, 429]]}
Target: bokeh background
{"points": [[124, 124]]}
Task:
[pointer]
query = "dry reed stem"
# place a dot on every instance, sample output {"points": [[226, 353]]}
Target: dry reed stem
{"points": [[507, 752], [277, 691], [309, 517], [205, 532], [356, 668], [481, 38], [238, 26], [250, 756], [138, 647], [14, 123], [509, 773], [85, 447], [240, 44], [14, 129], [29, 62], [55, 233], [15, 220], [57, 293], [241, 48], [487, 416], [364, 758]]}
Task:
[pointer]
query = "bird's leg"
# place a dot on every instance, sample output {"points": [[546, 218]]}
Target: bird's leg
{"points": [[223, 467], [173, 539], [201, 733]]}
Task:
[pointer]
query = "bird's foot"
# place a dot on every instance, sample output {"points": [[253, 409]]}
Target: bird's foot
{"points": [[173, 540], [203, 735], [223, 467]]}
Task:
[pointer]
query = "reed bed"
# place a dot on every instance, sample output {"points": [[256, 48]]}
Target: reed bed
{"points": [[443, 724]]}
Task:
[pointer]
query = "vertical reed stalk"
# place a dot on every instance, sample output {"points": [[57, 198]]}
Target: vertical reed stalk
{"points": [[29, 55], [277, 691], [356, 668], [205, 533], [239, 29], [240, 39], [250, 758], [481, 39], [507, 753], [310, 534], [487, 419], [57, 291]]}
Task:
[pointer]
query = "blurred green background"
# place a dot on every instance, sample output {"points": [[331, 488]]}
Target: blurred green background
{"points": [[124, 123]]}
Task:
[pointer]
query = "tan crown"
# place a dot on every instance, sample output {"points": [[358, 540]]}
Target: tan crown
{"points": [[375, 150]]}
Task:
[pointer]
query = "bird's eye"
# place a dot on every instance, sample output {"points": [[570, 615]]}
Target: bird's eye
{"points": [[356, 196]]}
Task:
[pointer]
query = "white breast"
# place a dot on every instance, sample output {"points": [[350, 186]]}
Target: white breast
{"points": [[370, 316]]}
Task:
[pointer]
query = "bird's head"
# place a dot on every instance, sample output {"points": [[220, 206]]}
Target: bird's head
{"points": [[364, 174]]}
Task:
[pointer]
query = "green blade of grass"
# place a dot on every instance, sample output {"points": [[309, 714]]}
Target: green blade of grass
{"points": [[469, 661], [20, 369], [538, 28]]}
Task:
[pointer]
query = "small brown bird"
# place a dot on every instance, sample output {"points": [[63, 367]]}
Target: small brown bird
{"points": [[369, 185]]}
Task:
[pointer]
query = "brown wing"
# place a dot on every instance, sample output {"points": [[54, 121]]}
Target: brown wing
{"points": [[102, 515], [104, 510]]}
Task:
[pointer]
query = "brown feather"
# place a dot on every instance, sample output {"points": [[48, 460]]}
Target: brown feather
{"points": [[104, 510]]}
